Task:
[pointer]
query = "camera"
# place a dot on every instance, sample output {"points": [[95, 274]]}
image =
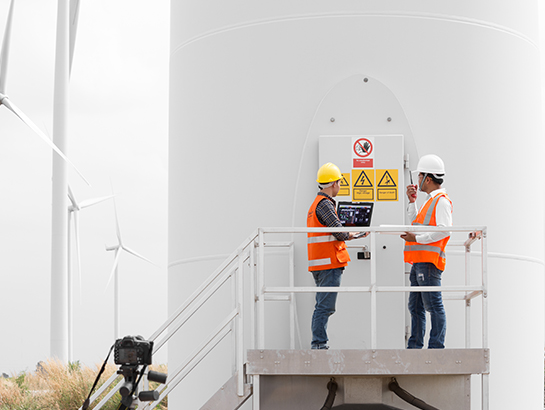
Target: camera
{"points": [[132, 351]]}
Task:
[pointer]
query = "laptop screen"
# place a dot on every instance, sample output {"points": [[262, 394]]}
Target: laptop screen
{"points": [[355, 213]]}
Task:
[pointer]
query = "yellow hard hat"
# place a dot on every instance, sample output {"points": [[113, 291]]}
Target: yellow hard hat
{"points": [[328, 173]]}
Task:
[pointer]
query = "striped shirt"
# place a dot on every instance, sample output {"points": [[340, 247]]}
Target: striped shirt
{"points": [[326, 214]]}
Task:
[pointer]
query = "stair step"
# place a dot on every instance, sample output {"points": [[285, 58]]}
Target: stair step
{"points": [[226, 397]]}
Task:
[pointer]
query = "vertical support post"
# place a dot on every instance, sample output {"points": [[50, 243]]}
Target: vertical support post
{"points": [[234, 324], [255, 393], [292, 295], [253, 306], [468, 301], [240, 323], [484, 261], [373, 290], [485, 391], [260, 294]]}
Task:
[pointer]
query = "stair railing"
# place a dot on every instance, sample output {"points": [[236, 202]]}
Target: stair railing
{"points": [[232, 266]]}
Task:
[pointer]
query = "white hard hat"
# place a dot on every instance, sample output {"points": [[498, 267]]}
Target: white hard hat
{"points": [[431, 164]]}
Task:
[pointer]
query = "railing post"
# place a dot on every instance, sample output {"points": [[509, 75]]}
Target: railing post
{"points": [[485, 392], [468, 301], [253, 296], [260, 295], [240, 323], [373, 290], [484, 262], [292, 295]]}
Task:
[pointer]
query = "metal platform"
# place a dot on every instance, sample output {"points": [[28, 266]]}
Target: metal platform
{"points": [[295, 379], [369, 362]]}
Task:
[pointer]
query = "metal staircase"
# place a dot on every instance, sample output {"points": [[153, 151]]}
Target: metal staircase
{"points": [[291, 378]]}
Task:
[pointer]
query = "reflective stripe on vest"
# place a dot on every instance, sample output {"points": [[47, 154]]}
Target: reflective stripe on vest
{"points": [[426, 248], [321, 239], [319, 262]]}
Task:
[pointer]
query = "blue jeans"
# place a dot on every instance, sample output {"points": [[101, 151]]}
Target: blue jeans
{"points": [[325, 305], [426, 274]]}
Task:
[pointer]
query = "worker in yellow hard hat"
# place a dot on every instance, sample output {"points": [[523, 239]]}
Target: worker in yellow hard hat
{"points": [[426, 252], [327, 254]]}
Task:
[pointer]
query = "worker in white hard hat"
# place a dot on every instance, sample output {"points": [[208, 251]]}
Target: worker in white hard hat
{"points": [[426, 252], [327, 254]]}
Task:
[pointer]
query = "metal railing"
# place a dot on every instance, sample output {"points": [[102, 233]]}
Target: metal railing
{"points": [[468, 292], [465, 292], [252, 250]]}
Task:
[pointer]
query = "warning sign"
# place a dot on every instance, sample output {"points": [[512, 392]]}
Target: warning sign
{"points": [[387, 186], [363, 185], [345, 185], [362, 152], [363, 147]]}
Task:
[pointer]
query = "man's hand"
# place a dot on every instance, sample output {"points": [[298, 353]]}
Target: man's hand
{"points": [[409, 237], [411, 193], [352, 234]]}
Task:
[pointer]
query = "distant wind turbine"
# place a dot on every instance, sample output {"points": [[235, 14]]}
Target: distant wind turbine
{"points": [[6, 101], [73, 213], [115, 274]]}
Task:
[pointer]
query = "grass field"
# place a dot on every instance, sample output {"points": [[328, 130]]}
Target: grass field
{"points": [[57, 386]]}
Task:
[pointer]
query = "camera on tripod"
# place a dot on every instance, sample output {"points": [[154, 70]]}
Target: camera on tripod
{"points": [[132, 351]]}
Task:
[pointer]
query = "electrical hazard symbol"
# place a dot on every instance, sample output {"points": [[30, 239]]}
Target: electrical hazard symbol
{"points": [[387, 187], [345, 185], [363, 185]]}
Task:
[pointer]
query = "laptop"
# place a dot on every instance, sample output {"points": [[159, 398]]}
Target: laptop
{"points": [[355, 213]]}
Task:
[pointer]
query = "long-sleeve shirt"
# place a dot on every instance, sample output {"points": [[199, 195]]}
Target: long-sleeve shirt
{"points": [[443, 217], [326, 214]]}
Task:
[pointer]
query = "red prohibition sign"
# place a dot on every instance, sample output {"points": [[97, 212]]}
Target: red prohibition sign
{"points": [[363, 147]]}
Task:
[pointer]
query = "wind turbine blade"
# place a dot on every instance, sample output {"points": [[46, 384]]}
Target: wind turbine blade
{"points": [[116, 262], [22, 116], [138, 255], [74, 17], [4, 56], [91, 202], [72, 199], [118, 231], [78, 253]]}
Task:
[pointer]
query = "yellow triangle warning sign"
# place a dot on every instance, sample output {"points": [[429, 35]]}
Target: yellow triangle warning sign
{"points": [[363, 181], [344, 190], [387, 181]]}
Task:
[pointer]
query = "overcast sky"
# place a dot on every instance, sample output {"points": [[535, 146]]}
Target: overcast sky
{"points": [[118, 130]]}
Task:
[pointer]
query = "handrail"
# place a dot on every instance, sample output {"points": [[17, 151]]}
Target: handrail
{"points": [[201, 288], [181, 372], [475, 233], [185, 312]]}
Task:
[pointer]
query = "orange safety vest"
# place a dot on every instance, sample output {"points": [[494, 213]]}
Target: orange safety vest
{"points": [[324, 250], [431, 252]]}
